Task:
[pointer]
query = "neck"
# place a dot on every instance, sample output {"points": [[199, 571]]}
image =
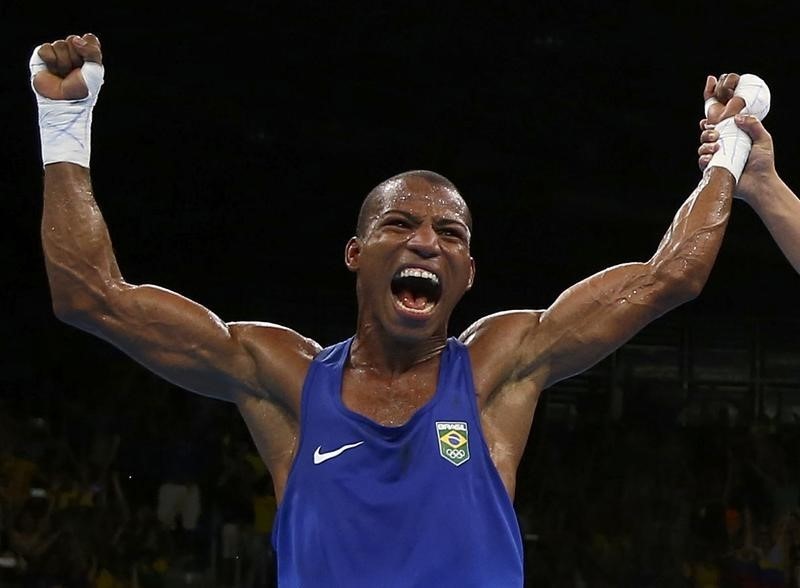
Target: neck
{"points": [[375, 349]]}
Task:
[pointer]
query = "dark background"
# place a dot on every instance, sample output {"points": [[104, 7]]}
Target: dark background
{"points": [[233, 144]]}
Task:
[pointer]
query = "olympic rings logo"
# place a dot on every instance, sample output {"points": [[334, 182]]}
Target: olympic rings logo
{"points": [[455, 453]]}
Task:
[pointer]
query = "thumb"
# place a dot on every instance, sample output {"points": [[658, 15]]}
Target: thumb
{"points": [[753, 127], [88, 47]]}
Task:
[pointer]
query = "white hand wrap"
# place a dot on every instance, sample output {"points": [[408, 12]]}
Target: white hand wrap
{"points": [[65, 126], [735, 143], [734, 148], [756, 95]]}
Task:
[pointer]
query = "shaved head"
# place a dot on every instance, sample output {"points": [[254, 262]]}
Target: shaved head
{"points": [[373, 201]]}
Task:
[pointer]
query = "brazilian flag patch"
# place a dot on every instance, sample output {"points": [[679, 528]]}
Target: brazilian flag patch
{"points": [[453, 441]]}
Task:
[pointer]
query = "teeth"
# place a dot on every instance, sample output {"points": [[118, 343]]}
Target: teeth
{"points": [[412, 272]]}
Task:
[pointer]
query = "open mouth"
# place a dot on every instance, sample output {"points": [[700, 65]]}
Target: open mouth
{"points": [[416, 290]]}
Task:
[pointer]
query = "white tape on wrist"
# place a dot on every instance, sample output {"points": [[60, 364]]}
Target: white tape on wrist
{"points": [[65, 126], [734, 148]]}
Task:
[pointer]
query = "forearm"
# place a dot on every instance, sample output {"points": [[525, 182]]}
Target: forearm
{"points": [[690, 246], [78, 254], [779, 209], [595, 316]]}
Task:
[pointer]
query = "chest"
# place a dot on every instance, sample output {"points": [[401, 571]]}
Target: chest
{"points": [[388, 400]]}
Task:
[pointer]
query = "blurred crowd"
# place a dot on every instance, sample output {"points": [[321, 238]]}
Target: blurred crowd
{"points": [[147, 486], [648, 504], [131, 491]]}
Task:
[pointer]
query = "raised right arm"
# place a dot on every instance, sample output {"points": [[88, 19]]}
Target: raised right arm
{"points": [[172, 336], [168, 333]]}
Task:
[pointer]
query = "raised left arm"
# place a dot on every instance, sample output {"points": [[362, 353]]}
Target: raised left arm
{"points": [[596, 316], [518, 354]]}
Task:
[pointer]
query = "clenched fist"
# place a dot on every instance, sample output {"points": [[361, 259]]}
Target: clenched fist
{"points": [[57, 75]]}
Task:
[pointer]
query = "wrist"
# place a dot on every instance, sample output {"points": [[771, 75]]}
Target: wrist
{"points": [[65, 130], [734, 148], [760, 188]]}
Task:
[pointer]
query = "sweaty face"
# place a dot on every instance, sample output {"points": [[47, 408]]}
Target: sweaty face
{"points": [[413, 261]]}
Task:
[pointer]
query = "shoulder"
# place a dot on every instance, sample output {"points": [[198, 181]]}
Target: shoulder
{"points": [[499, 344], [270, 337], [506, 325], [280, 355]]}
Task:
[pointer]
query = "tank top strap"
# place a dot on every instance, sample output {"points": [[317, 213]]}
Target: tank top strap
{"points": [[323, 380], [455, 375]]}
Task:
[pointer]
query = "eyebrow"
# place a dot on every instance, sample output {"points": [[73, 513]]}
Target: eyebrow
{"points": [[437, 221]]}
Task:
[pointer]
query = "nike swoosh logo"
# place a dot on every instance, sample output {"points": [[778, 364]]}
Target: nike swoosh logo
{"points": [[320, 456]]}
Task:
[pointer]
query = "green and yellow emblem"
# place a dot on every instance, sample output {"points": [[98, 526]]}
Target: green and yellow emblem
{"points": [[453, 441]]}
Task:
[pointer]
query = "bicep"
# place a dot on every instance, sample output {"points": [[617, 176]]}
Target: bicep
{"points": [[175, 338]]}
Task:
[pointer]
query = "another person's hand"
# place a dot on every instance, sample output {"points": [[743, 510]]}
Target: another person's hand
{"points": [[61, 77]]}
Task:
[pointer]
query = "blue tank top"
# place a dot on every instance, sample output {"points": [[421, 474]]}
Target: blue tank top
{"points": [[415, 506]]}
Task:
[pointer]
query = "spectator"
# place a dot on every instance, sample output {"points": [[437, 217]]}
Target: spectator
{"points": [[31, 536], [179, 501], [261, 571]]}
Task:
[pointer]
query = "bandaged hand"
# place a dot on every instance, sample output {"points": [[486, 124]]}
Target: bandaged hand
{"points": [[752, 94], [66, 77]]}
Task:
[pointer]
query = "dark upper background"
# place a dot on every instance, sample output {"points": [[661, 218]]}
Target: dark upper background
{"points": [[233, 145]]}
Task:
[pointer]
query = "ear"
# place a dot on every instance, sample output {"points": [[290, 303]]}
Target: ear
{"points": [[352, 253], [471, 273]]}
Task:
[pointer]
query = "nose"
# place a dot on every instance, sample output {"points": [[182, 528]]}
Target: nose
{"points": [[424, 241]]}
